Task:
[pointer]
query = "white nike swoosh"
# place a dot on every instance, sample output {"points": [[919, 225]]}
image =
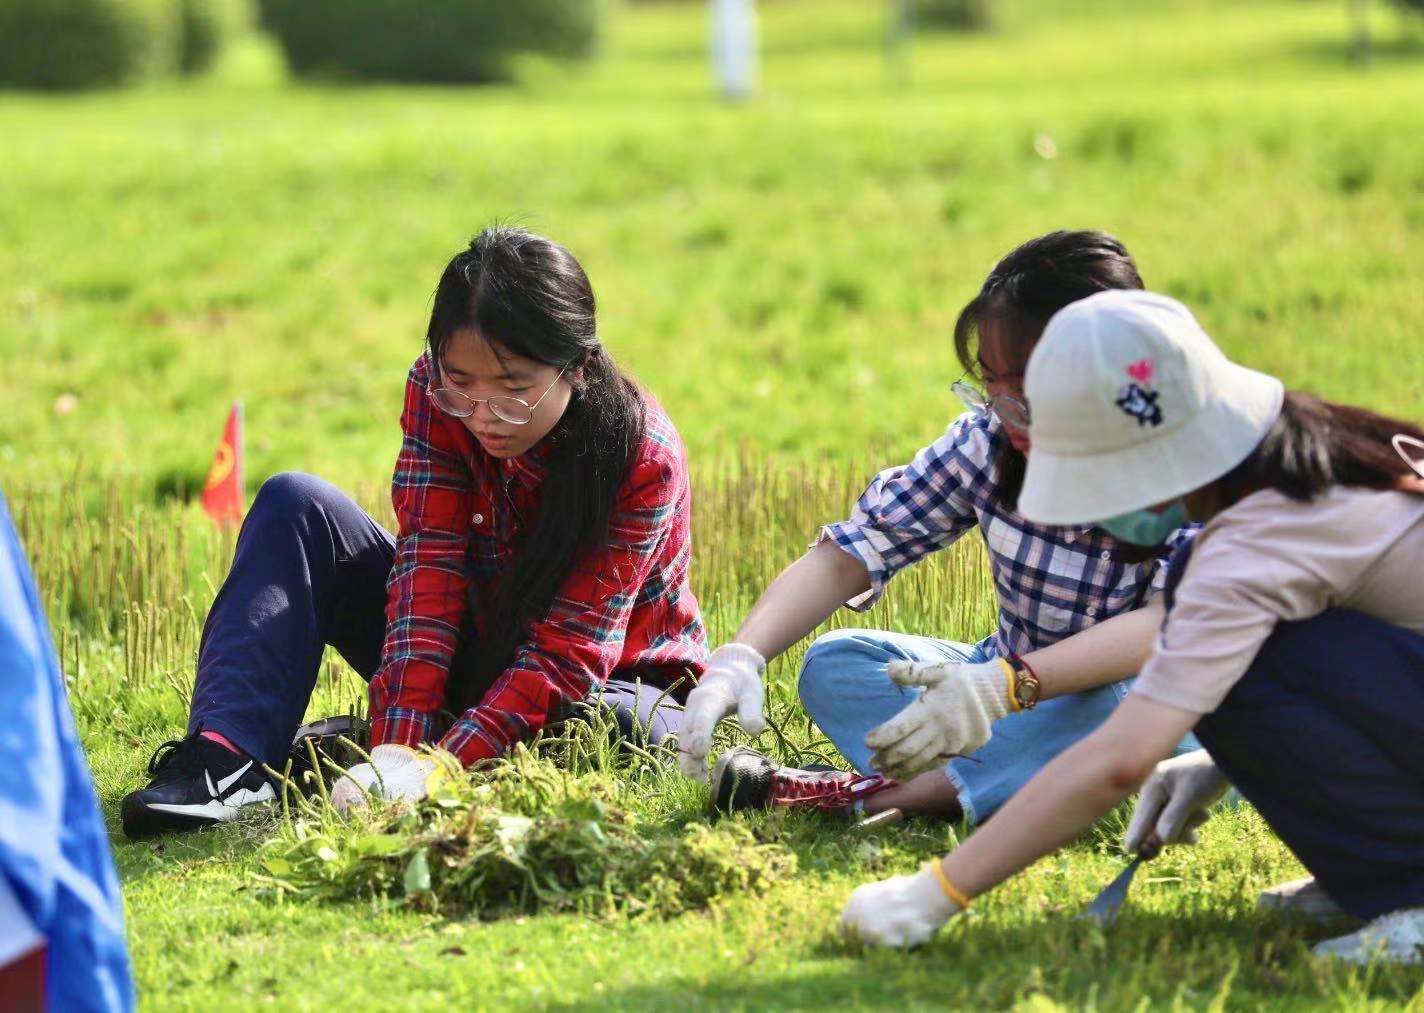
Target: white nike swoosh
{"points": [[217, 809], [249, 797], [225, 782]]}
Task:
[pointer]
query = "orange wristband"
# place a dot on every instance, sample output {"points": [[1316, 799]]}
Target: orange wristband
{"points": [[951, 891]]}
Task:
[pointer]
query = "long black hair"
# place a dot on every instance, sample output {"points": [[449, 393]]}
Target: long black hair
{"points": [[528, 296], [1314, 444], [1023, 292]]}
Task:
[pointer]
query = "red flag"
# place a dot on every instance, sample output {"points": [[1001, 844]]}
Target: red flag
{"points": [[222, 492]]}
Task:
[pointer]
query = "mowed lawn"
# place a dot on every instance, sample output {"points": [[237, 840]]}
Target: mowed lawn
{"points": [[783, 275]]}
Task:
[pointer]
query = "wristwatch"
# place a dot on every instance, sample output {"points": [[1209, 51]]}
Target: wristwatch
{"points": [[1025, 687]]}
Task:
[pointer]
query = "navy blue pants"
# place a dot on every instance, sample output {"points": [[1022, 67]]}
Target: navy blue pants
{"points": [[1325, 736], [310, 572]]}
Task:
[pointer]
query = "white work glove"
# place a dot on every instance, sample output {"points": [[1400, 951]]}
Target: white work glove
{"points": [[952, 717], [902, 911], [395, 772], [733, 681], [1174, 802]]}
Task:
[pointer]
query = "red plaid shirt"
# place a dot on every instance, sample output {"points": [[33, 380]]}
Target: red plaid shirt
{"points": [[626, 605]]}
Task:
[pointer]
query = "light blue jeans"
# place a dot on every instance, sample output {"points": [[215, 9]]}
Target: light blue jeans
{"points": [[845, 688]]}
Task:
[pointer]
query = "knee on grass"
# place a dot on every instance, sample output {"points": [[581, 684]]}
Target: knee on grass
{"points": [[836, 661]]}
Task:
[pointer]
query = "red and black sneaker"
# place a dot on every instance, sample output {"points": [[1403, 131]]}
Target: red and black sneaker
{"points": [[745, 779]]}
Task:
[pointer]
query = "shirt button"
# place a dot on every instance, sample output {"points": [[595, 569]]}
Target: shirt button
{"points": [[1105, 554], [1070, 538], [1092, 610], [478, 518]]}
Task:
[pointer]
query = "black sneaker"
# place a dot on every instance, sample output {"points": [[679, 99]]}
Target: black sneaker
{"points": [[745, 779], [195, 783], [329, 737]]}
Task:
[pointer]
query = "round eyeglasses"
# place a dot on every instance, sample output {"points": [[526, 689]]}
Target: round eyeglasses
{"points": [[1011, 411], [505, 407]]}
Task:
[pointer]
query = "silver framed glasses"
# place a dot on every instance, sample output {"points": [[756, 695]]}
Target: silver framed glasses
{"points": [[1011, 411], [505, 407]]}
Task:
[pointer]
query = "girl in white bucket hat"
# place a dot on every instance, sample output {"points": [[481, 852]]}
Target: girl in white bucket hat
{"points": [[1294, 638]]}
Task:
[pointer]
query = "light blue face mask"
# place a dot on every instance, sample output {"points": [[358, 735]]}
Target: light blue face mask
{"points": [[1144, 527]]}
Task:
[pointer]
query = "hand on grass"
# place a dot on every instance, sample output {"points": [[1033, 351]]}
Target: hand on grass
{"points": [[1175, 801], [902, 911], [395, 772], [732, 682], [952, 717]]}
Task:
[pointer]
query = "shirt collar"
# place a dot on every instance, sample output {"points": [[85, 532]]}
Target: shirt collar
{"points": [[530, 467]]}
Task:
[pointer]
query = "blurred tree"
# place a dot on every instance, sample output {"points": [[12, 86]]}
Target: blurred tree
{"points": [[963, 15], [430, 40], [70, 44]]}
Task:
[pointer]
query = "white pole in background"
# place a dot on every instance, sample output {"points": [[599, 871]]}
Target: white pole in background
{"points": [[734, 47]]}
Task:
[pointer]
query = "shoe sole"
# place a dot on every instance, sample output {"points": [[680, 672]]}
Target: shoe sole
{"points": [[140, 822], [142, 819]]}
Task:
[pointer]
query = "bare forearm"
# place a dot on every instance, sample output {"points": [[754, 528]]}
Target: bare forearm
{"points": [[1064, 800], [1111, 650], [1069, 794], [801, 598]]}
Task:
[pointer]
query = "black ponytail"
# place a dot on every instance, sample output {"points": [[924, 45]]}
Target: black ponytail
{"points": [[529, 297], [1315, 444]]}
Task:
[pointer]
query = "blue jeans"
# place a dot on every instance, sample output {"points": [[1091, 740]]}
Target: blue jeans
{"points": [[847, 691], [1324, 735], [310, 573]]}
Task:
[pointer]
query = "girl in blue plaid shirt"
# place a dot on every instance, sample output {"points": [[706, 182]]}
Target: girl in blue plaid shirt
{"points": [[1076, 605]]}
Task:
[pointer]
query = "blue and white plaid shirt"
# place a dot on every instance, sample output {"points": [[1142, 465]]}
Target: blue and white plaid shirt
{"points": [[1051, 582]]}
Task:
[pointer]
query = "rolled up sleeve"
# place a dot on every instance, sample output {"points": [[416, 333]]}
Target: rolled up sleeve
{"points": [[910, 511]]}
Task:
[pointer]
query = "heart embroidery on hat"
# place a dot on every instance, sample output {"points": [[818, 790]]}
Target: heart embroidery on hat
{"points": [[1142, 370], [1138, 399]]}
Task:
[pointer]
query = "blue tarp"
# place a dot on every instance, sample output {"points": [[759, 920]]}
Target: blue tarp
{"points": [[54, 851]]}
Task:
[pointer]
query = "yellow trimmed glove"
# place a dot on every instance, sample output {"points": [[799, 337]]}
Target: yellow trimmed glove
{"points": [[901, 911], [952, 717]]}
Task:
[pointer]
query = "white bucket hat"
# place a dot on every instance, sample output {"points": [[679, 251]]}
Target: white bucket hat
{"points": [[1133, 405]]}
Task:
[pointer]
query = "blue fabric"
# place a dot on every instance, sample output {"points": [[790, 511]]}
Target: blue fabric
{"points": [[309, 572], [1324, 735], [54, 850], [1051, 582], [847, 691]]}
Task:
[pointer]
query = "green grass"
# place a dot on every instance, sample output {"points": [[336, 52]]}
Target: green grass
{"points": [[783, 276], [203, 931]]}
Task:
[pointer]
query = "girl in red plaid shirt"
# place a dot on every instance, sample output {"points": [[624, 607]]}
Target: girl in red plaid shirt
{"points": [[541, 560]]}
